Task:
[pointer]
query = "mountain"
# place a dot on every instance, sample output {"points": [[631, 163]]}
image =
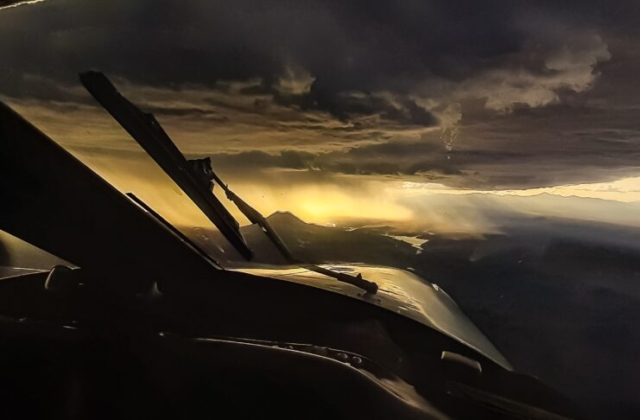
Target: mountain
{"points": [[314, 243]]}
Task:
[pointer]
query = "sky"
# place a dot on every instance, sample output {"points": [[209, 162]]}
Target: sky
{"points": [[443, 114]]}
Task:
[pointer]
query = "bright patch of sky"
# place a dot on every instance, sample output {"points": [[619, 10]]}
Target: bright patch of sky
{"points": [[625, 190]]}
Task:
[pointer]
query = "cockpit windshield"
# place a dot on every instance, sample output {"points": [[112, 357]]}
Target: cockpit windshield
{"points": [[491, 148]]}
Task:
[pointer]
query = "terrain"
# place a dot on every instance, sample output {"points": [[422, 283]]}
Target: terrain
{"points": [[560, 298]]}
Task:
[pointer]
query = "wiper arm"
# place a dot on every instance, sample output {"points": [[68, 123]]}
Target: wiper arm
{"points": [[148, 133], [255, 217], [194, 176]]}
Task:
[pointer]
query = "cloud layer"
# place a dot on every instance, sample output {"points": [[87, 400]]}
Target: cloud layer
{"points": [[493, 95]]}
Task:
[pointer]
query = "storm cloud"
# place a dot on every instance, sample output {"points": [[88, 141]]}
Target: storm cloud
{"points": [[466, 93]]}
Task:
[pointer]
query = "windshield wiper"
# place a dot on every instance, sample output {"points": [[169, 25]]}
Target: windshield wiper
{"points": [[148, 133], [195, 177], [255, 217]]}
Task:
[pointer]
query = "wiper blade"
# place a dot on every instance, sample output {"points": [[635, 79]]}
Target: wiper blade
{"points": [[147, 132], [255, 217], [195, 177], [357, 280]]}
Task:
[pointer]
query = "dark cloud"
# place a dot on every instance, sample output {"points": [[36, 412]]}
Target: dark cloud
{"points": [[544, 87], [380, 159], [257, 160], [345, 107], [346, 46], [550, 149]]}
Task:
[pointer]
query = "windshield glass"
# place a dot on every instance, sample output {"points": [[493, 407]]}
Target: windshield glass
{"points": [[489, 147]]}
